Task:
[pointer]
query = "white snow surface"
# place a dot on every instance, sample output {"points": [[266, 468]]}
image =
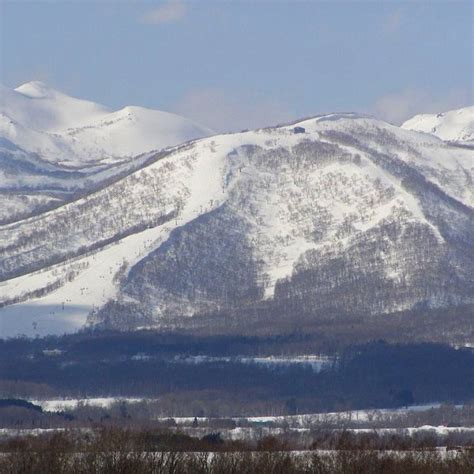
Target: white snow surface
{"points": [[316, 362], [72, 403], [65, 310], [455, 125], [75, 132]]}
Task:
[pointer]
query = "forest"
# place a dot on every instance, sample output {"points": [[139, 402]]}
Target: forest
{"points": [[145, 364], [125, 451]]}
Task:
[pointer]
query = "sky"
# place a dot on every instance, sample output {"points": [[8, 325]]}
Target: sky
{"points": [[232, 65]]}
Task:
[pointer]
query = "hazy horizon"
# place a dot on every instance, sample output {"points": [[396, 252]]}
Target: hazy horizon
{"points": [[240, 65]]}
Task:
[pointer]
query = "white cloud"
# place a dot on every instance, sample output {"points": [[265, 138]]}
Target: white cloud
{"points": [[169, 12], [399, 106], [223, 112]]}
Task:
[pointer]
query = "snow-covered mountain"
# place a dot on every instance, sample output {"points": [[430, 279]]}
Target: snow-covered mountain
{"points": [[54, 148], [455, 125], [30, 185], [72, 132], [339, 214]]}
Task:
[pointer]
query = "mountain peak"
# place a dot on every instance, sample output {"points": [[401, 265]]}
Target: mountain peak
{"points": [[69, 130], [36, 90], [454, 125]]}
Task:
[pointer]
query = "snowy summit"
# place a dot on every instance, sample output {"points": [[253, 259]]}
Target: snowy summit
{"points": [[455, 125], [75, 132]]}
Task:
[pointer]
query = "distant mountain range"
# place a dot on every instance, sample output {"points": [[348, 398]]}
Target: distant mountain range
{"points": [[339, 215], [72, 132]]}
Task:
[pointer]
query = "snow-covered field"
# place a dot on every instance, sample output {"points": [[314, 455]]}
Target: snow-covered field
{"points": [[72, 403], [316, 362]]}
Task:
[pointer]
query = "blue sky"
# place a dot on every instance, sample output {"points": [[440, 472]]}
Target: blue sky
{"points": [[239, 64]]}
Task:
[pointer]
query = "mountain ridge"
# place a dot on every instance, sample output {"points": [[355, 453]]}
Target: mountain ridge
{"points": [[266, 215], [54, 148], [76, 132], [455, 125]]}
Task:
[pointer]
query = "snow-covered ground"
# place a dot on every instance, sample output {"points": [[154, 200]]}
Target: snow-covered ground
{"points": [[66, 309], [72, 403], [316, 362]]}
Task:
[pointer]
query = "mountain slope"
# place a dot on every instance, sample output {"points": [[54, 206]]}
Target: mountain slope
{"points": [[77, 133], [30, 185], [455, 125], [351, 216], [55, 148]]}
